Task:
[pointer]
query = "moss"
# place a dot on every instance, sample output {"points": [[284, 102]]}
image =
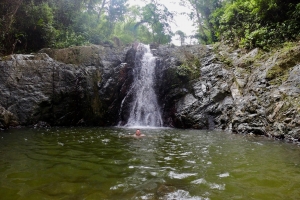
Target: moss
{"points": [[74, 55], [172, 80], [190, 70], [277, 75], [183, 70], [217, 48], [190, 67], [289, 57], [274, 72], [287, 46], [227, 61]]}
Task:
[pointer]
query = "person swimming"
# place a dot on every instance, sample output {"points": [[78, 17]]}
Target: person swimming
{"points": [[138, 133]]}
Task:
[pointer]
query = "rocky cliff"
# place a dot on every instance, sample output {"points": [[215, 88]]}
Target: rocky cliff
{"points": [[200, 87], [74, 86], [252, 92]]}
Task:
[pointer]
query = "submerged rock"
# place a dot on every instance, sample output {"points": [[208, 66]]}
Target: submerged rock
{"points": [[164, 190]]}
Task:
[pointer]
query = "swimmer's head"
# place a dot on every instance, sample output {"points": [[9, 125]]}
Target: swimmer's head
{"points": [[138, 132]]}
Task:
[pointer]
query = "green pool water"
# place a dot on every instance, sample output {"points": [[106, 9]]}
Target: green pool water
{"points": [[101, 163]]}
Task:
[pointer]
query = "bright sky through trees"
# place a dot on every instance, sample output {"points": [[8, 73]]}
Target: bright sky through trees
{"points": [[182, 22]]}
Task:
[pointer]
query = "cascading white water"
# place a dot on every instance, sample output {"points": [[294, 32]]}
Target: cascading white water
{"points": [[144, 110]]}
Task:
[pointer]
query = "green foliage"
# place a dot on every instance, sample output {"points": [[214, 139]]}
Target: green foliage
{"points": [[256, 23], [157, 17], [201, 13], [190, 68], [116, 10], [29, 25], [124, 32], [36, 25], [255, 38], [183, 70], [67, 39]]}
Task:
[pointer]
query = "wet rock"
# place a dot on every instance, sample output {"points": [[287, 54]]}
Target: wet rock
{"points": [[294, 135], [7, 119], [241, 76], [197, 106], [280, 130], [244, 128], [62, 86], [42, 124]]}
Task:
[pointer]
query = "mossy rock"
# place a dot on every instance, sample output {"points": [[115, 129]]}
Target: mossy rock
{"points": [[88, 55], [190, 67], [280, 71], [189, 70], [275, 72]]}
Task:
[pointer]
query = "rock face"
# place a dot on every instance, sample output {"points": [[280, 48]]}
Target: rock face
{"points": [[248, 93], [200, 87], [74, 86]]}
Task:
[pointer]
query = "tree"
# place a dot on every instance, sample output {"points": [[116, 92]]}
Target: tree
{"points": [[257, 23], [156, 17], [8, 8], [34, 26], [201, 11], [182, 36]]}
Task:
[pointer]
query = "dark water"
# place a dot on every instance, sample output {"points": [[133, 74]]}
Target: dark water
{"points": [[99, 163]]}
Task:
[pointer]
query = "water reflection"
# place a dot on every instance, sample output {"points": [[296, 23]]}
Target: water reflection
{"points": [[100, 163]]}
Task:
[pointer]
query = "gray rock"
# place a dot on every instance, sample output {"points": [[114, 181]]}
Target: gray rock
{"points": [[61, 87]]}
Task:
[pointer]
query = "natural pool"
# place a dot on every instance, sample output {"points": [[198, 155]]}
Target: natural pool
{"points": [[99, 163]]}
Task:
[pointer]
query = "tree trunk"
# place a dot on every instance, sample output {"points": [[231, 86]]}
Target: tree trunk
{"points": [[101, 9], [10, 15]]}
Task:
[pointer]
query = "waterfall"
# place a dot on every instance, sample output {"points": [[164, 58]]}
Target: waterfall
{"points": [[144, 109]]}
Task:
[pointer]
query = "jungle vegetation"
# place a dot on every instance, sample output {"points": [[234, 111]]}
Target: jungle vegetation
{"points": [[30, 25]]}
